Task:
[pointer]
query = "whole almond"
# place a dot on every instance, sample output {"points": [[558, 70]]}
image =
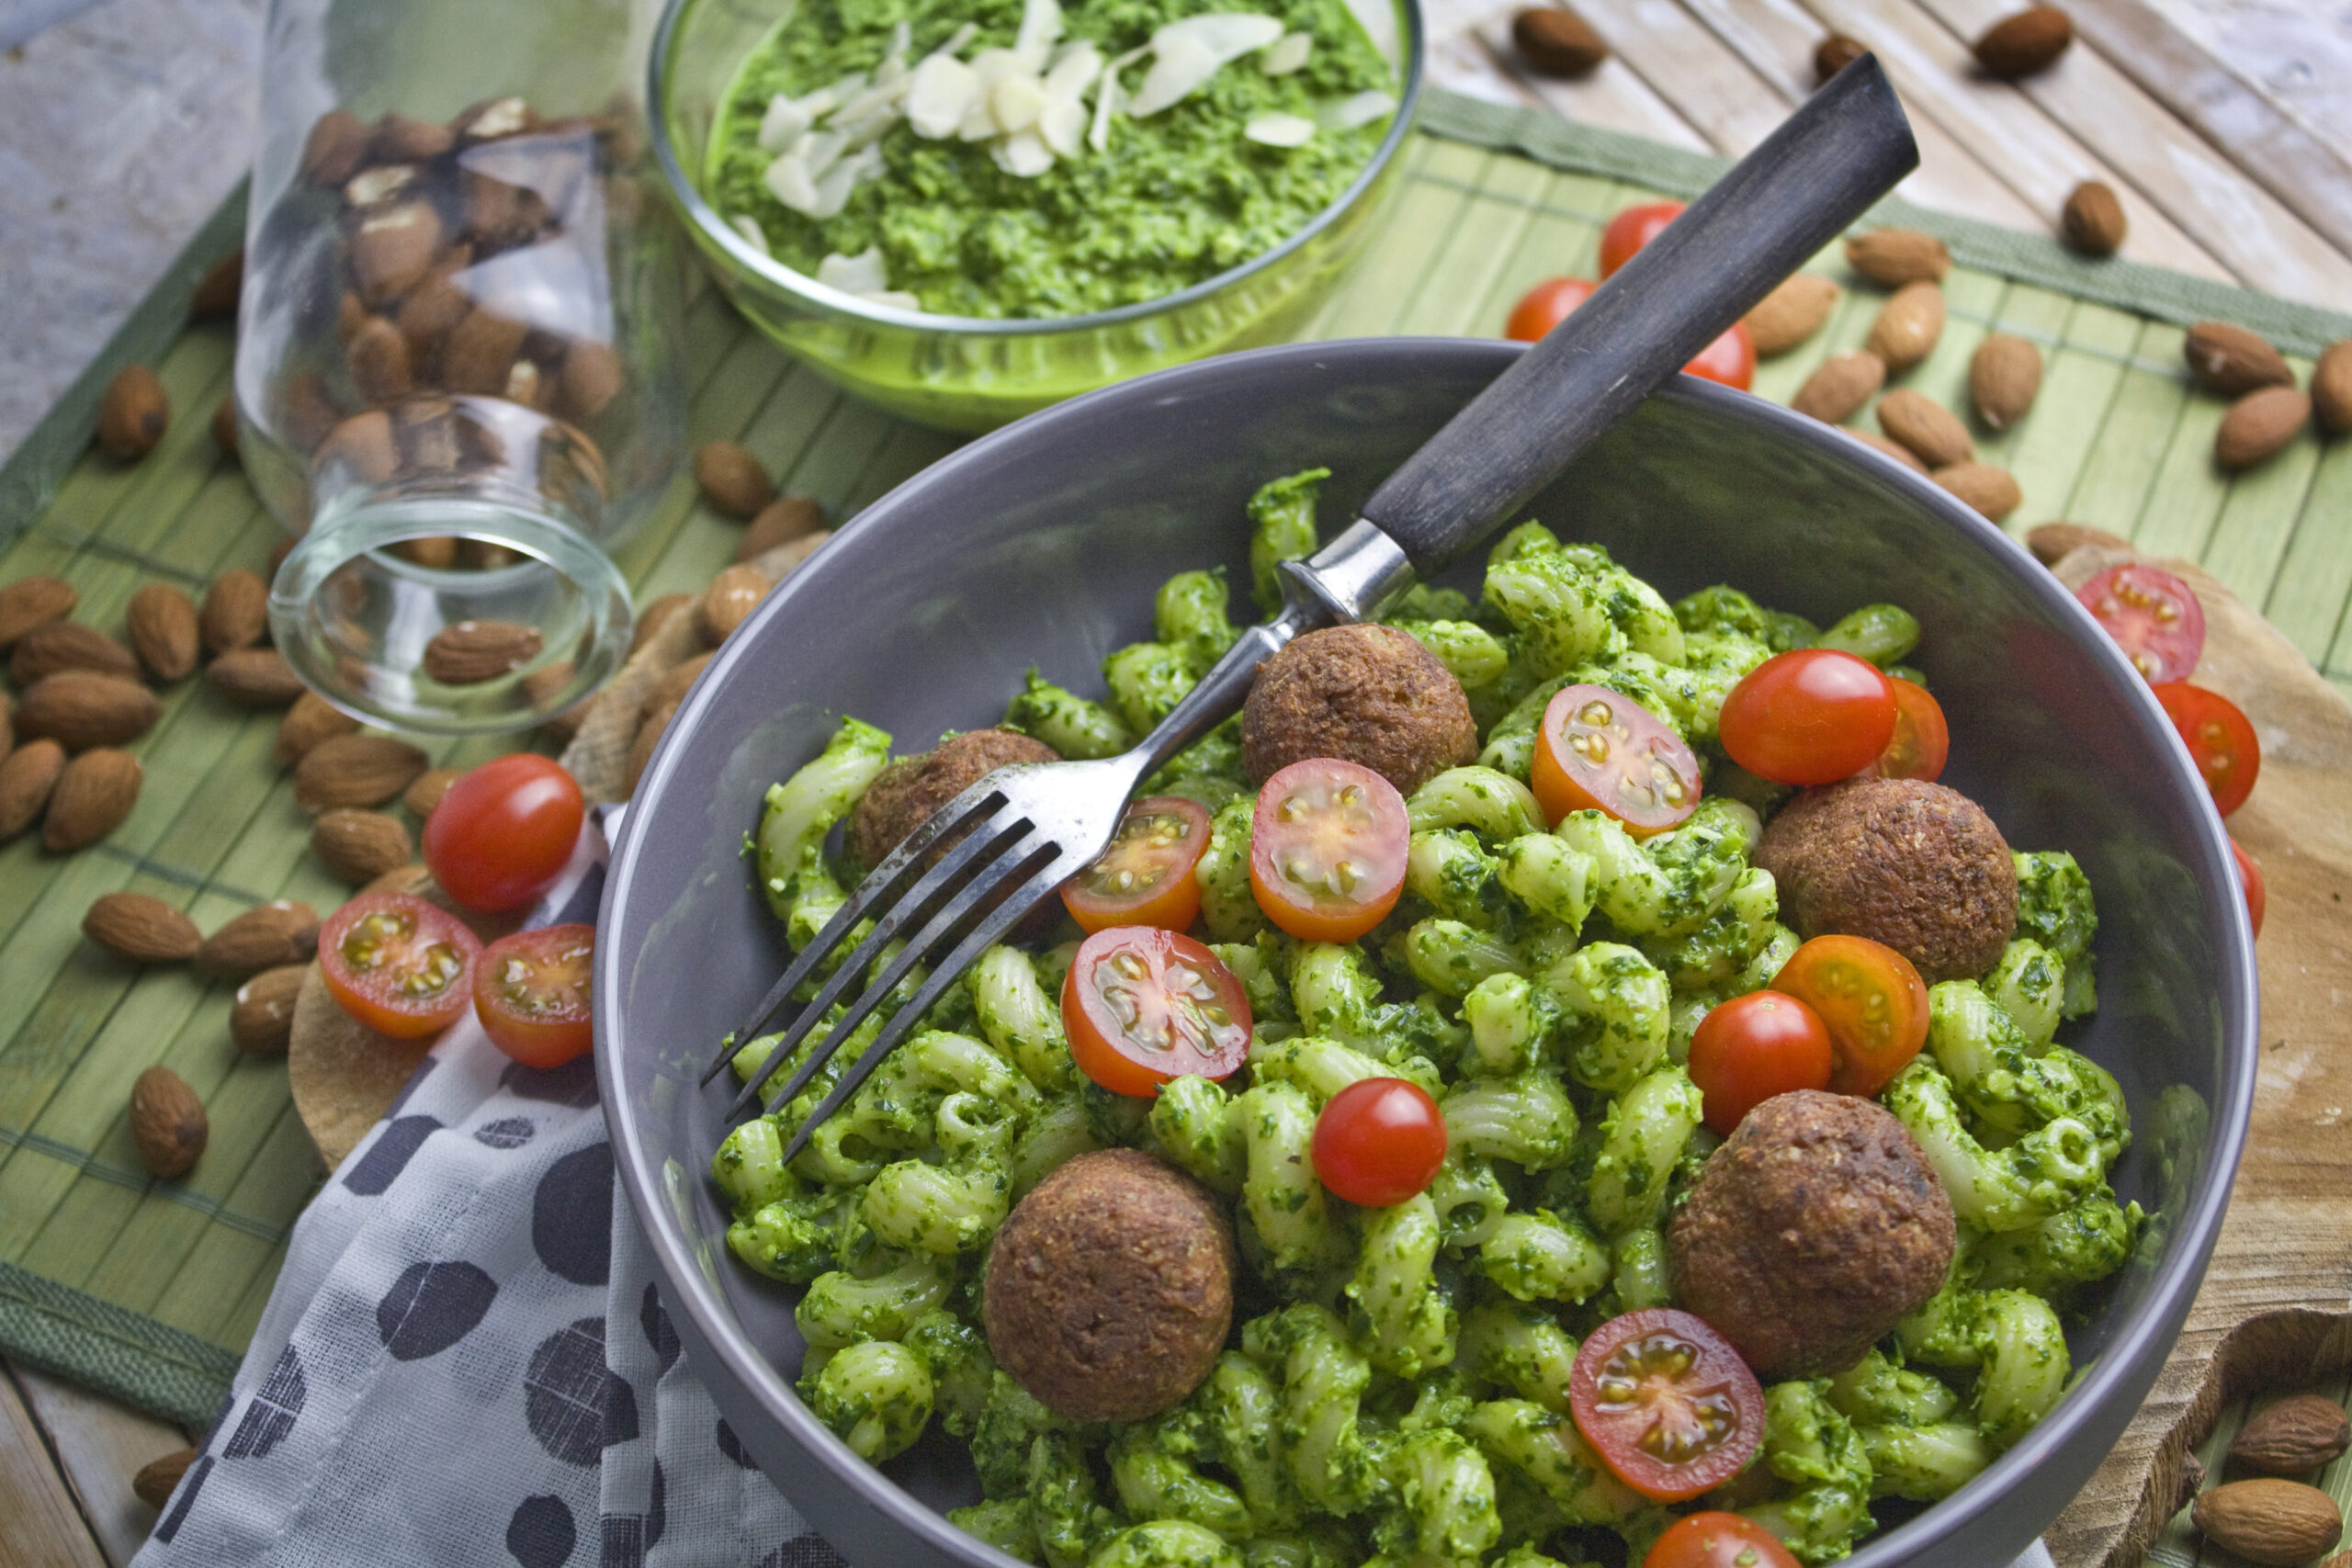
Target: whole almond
{"points": [[472, 651], [732, 481], [2004, 378], [1993, 491], [675, 685], [224, 425], [2030, 41], [159, 1478], [480, 353], [650, 619], [134, 412], [79, 709], [2231, 360], [649, 735], [1839, 384], [2093, 219], [332, 153], [1893, 449], [393, 247], [1892, 257], [167, 1122], [730, 600], [255, 678], [2332, 387], [216, 291], [2260, 425], [312, 719], [93, 797], [360, 846], [235, 612], [267, 936], [29, 602], [1834, 53], [2051, 541], [1908, 325], [377, 358], [1926, 426], [793, 516], [163, 631], [143, 929], [26, 776], [591, 379], [2277, 1523], [362, 446], [65, 645], [411, 878], [425, 792], [1789, 315], [262, 1021], [1556, 42], [400, 140], [354, 770], [2300, 1433], [438, 551], [547, 684]]}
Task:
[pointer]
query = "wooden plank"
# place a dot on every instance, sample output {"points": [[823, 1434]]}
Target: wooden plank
{"points": [[40, 1526], [1613, 97], [1720, 94], [100, 1445]]}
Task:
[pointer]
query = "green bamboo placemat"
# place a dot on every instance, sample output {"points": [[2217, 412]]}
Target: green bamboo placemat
{"points": [[149, 1290]]}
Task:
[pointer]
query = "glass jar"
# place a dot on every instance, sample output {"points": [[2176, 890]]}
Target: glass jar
{"points": [[457, 370]]}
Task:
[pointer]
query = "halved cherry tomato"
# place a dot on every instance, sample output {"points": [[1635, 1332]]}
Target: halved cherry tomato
{"points": [[1328, 845], [531, 993], [1145, 878], [1752, 1047], [504, 831], [2220, 740], [1922, 741], [1632, 229], [1809, 716], [1718, 1540], [1600, 750], [1379, 1141], [2153, 616], [1545, 305], [1872, 1000], [1143, 1005], [2250, 878], [1665, 1401], [398, 965]]}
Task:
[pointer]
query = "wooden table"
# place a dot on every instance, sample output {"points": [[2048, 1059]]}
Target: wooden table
{"points": [[2215, 120]]}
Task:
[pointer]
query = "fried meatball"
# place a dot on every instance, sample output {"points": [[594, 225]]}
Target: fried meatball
{"points": [[1364, 693], [1110, 1287], [1811, 1233], [1914, 865], [910, 789]]}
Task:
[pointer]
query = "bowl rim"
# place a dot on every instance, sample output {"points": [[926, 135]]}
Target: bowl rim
{"points": [[2171, 1287], [711, 230]]}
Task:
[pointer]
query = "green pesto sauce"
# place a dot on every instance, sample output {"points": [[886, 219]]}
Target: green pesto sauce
{"points": [[1176, 198]]}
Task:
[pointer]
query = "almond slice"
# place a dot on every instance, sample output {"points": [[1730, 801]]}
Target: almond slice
{"points": [[1181, 66], [941, 93], [1286, 55], [1280, 130]]}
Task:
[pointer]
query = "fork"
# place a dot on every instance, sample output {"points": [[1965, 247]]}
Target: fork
{"points": [[1029, 828]]}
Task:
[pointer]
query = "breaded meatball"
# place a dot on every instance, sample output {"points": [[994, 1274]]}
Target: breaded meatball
{"points": [[1364, 693], [1811, 1233], [910, 789], [1110, 1287], [1914, 865]]}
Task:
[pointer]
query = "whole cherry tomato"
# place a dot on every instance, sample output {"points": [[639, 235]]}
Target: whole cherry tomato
{"points": [[1718, 1540], [1545, 305], [2220, 739], [1328, 845], [1143, 1005], [1752, 1047], [1730, 359], [1632, 228], [398, 965], [1872, 1000], [1145, 878], [1922, 741], [1667, 1403], [504, 831], [1809, 716], [1600, 750], [531, 993], [2250, 878], [1378, 1142], [2154, 616]]}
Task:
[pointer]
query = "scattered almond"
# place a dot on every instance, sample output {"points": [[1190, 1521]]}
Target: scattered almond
{"points": [[649, 735], [143, 929], [1785, 317], [132, 414], [2050, 541], [66, 645], [793, 516], [2260, 425], [216, 291], [167, 1122], [1892, 257], [675, 685], [267, 936], [79, 709], [2030, 41], [26, 776], [1908, 325], [262, 1021], [2004, 378], [312, 719], [1556, 42], [1926, 426], [163, 631], [354, 770], [2332, 387], [158, 1479], [730, 600], [470, 652], [649, 619], [91, 800], [2277, 1523], [1893, 449], [732, 481], [411, 878], [2300, 1433], [425, 792], [1991, 490], [1834, 53], [1840, 385], [235, 612], [30, 601], [2093, 219], [255, 678], [360, 846], [2231, 360]]}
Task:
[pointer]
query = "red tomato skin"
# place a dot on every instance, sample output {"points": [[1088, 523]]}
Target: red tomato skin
{"points": [[1921, 743], [1752, 1047], [1730, 359], [1092, 1045], [2220, 739], [504, 831], [1809, 716], [1718, 1540], [1713, 1363], [2250, 878], [401, 1018], [1631, 229], [1545, 305], [1860, 1069], [1179, 898], [536, 1042], [2154, 616], [1559, 788], [1378, 1142], [1344, 919]]}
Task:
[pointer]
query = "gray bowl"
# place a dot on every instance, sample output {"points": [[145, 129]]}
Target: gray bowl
{"points": [[1044, 544]]}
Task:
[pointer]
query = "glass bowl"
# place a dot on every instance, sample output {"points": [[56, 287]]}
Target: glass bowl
{"points": [[969, 373]]}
